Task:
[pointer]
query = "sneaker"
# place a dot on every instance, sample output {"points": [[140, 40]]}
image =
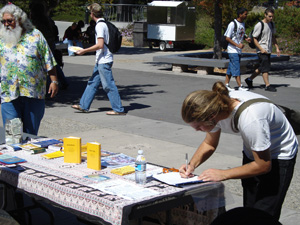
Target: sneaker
{"points": [[249, 83], [229, 88], [241, 88], [270, 88]]}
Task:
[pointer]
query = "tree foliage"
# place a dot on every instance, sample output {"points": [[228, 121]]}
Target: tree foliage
{"points": [[229, 8], [24, 4], [223, 11]]}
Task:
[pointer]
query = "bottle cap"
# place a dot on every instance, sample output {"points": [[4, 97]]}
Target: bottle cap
{"points": [[140, 152]]}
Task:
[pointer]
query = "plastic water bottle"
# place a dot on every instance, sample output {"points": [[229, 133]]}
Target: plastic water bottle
{"points": [[140, 168], [13, 131]]}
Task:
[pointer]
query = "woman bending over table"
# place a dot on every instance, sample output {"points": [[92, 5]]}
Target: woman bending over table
{"points": [[269, 144]]}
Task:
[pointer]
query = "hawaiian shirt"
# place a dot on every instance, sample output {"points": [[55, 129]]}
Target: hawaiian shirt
{"points": [[24, 67]]}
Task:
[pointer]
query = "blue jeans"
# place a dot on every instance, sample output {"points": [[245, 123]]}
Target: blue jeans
{"points": [[29, 110], [234, 64], [102, 74]]}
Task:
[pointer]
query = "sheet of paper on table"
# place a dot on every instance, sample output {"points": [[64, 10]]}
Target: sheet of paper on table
{"points": [[125, 189], [175, 179]]}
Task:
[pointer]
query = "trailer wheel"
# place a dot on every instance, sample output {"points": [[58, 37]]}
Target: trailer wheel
{"points": [[162, 46]]}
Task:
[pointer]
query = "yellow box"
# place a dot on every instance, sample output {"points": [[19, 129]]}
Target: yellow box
{"points": [[72, 150], [94, 155]]}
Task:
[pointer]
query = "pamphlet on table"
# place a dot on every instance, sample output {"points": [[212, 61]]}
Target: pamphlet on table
{"points": [[125, 189], [174, 178]]}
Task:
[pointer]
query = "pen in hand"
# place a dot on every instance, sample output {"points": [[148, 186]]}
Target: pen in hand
{"points": [[186, 161]]}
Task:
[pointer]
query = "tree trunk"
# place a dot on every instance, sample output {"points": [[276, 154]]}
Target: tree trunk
{"points": [[218, 30]]}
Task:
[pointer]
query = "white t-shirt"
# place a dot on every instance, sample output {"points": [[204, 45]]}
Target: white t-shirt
{"points": [[237, 37], [266, 38], [262, 125], [103, 55]]}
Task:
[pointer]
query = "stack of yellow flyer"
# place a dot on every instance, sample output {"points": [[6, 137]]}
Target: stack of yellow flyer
{"points": [[53, 155], [93, 155], [123, 170], [72, 152]]}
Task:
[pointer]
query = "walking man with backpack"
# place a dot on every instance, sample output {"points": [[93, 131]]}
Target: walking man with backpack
{"points": [[235, 34], [102, 73], [264, 37]]}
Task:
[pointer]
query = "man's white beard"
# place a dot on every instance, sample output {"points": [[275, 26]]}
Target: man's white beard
{"points": [[9, 35]]}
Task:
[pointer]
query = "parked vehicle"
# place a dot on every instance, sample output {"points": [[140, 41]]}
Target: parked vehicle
{"points": [[170, 24]]}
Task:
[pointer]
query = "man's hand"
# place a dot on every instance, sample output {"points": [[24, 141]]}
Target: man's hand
{"points": [[263, 51], [80, 52], [278, 52], [241, 45], [53, 89]]}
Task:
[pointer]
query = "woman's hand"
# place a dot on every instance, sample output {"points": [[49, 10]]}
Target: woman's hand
{"points": [[186, 172]]}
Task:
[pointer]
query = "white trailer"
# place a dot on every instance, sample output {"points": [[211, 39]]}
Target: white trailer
{"points": [[170, 23]]}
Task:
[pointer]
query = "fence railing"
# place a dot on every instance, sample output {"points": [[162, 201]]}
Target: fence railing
{"points": [[125, 12]]}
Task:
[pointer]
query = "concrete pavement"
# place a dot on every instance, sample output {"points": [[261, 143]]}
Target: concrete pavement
{"points": [[163, 142]]}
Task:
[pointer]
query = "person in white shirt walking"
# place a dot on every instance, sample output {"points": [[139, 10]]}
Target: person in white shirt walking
{"points": [[102, 73], [234, 37]]}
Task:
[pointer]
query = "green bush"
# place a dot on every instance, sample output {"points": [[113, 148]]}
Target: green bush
{"points": [[204, 32], [288, 22], [71, 10], [252, 19]]}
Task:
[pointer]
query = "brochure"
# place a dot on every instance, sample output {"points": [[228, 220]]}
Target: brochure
{"points": [[14, 147], [12, 160], [56, 147], [46, 143], [174, 178], [28, 146], [124, 189], [97, 177], [117, 160], [53, 155]]}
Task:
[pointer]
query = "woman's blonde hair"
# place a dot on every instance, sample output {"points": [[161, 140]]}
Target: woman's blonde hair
{"points": [[203, 105]]}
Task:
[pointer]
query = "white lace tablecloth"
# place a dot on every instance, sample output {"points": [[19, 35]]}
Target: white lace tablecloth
{"points": [[65, 185]]}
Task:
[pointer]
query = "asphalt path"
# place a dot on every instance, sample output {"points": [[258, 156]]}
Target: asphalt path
{"points": [[156, 96], [152, 96]]}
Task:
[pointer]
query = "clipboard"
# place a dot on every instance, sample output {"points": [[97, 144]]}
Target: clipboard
{"points": [[175, 179]]}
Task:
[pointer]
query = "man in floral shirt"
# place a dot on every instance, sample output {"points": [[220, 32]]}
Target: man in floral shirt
{"points": [[25, 61]]}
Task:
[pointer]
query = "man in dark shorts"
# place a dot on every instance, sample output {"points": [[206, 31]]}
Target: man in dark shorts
{"points": [[264, 48]]}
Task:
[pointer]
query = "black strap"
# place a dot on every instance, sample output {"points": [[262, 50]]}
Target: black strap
{"points": [[262, 28], [235, 28], [104, 21], [244, 106]]}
